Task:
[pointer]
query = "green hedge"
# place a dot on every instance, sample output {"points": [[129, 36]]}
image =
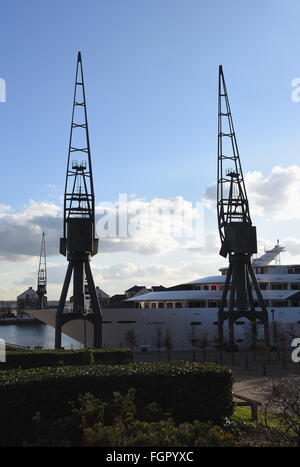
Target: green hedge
{"points": [[187, 390], [38, 358]]}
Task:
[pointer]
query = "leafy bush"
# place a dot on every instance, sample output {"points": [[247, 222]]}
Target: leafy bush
{"points": [[255, 434], [118, 423], [39, 358], [187, 390]]}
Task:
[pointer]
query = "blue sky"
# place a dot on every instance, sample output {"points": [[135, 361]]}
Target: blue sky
{"points": [[151, 74], [151, 81]]}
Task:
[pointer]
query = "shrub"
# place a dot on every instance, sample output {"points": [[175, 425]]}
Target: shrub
{"points": [[187, 390], [38, 358], [118, 423]]}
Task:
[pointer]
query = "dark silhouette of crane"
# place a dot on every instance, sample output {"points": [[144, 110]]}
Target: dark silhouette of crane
{"points": [[79, 241], [42, 277], [237, 234]]}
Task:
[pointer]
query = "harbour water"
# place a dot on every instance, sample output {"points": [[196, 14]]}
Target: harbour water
{"points": [[35, 335]]}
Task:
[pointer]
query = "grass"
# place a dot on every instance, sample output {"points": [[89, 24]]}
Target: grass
{"points": [[243, 414]]}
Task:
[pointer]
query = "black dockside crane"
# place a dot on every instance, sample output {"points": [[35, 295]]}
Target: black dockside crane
{"points": [[79, 242], [42, 277], [237, 234]]}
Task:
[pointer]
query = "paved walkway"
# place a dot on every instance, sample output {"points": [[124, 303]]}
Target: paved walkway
{"points": [[248, 383]]}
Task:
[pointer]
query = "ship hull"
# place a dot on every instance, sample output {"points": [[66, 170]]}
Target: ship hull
{"points": [[184, 325]]}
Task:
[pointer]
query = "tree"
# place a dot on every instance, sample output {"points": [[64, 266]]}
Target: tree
{"points": [[283, 399], [131, 338], [168, 343], [281, 336], [194, 339], [291, 330], [158, 341], [6, 312], [263, 350], [247, 336], [203, 343]]}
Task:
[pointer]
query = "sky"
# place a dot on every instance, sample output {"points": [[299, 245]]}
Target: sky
{"points": [[151, 73]]}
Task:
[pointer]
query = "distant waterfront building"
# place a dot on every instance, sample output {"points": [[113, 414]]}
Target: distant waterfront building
{"points": [[7, 308], [27, 300], [136, 290], [103, 296]]}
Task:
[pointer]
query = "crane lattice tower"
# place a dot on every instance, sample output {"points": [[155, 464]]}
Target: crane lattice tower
{"points": [[237, 234], [79, 242]]}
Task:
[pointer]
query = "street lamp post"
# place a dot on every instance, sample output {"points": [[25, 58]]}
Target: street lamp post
{"points": [[84, 327], [274, 325], [194, 339]]}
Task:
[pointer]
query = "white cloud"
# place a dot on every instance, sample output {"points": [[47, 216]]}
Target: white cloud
{"points": [[118, 277], [292, 245], [21, 233], [4, 208], [275, 196], [211, 244], [155, 227]]}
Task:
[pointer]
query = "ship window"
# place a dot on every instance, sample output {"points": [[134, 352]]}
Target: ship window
{"points": [[169, 305], [146, 305], [160, 305], [295, 286], [279, 286], [295, 270], [280, 303], [153, 305], [126, 322], [213, 287], [259, 271], [296, 303], [199, 304], [205, 287], [213, 303], [178, 305], [263, 286]]}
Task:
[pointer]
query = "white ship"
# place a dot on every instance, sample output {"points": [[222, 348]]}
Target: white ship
{"points": [[190, 310]]}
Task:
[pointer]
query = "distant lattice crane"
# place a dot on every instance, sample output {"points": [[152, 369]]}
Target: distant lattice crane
{"points": [[237, 234], [42, 277], [79, 241]]}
